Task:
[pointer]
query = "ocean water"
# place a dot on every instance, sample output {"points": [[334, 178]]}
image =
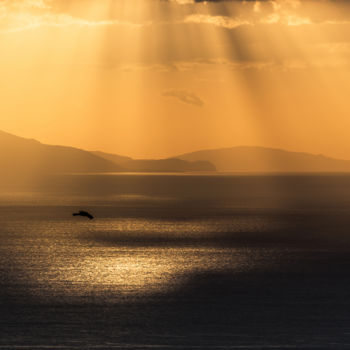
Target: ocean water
{"points": [[176, 262]]}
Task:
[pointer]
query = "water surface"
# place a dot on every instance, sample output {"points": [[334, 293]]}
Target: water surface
{"points": [[176, 262]]}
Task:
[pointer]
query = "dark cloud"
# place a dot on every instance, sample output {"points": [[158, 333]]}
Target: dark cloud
{"points": [[184, 96]]}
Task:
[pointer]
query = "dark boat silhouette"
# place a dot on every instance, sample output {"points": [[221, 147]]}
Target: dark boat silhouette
{"points": [[83, 213]]}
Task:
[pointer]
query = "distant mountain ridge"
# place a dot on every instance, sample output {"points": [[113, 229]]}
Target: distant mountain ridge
{"points": [[157, 165], [168, 165], [21, 157], [249, 159], [115, 158]]}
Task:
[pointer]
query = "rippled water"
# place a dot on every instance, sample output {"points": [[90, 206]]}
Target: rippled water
{"points": [[176, 262]]}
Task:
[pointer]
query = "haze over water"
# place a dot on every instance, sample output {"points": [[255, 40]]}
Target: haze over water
{"points": [[175, 261]]}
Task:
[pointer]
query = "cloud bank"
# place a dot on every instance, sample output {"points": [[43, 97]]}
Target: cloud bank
{"points": [[20, 15]]}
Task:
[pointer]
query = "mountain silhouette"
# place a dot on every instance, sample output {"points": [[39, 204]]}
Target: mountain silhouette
{"points": [[21, 156], [157, 165], [260, 159], [115, 158], [168, 165]]}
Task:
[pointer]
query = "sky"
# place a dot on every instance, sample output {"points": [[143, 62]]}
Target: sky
{"points": [[157, 78]]}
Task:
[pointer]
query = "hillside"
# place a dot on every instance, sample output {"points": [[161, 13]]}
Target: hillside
{"points": [[21, 156], [156, 165], [168, 165], [115, 158], [260, 159]]}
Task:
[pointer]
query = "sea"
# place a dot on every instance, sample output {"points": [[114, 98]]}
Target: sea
{"points": [[176, 261]]}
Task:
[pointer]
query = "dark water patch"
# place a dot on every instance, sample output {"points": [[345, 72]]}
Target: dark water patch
{"points": [[304, 302]]}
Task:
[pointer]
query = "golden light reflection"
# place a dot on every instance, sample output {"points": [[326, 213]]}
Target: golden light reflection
{"points": [[125, 257]]}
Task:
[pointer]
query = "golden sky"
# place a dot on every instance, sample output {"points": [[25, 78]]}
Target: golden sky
{"points": [[157, 78]]}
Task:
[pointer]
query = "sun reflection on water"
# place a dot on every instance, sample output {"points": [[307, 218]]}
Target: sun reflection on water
{"points": [[61, 258]]}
